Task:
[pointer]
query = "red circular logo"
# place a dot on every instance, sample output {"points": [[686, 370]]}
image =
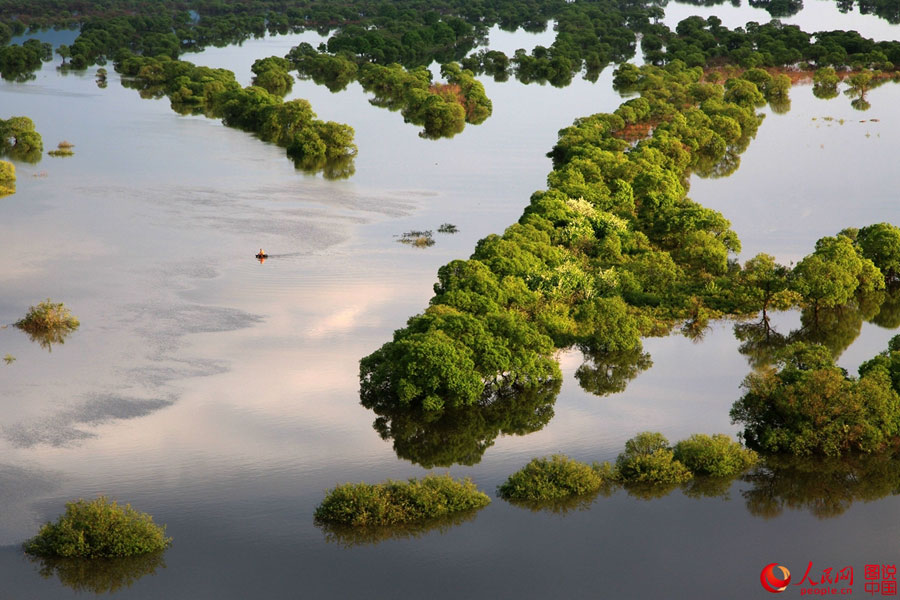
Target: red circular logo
{"points": [[771, 581]]}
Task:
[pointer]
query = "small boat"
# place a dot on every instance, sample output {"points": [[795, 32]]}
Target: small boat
{"points": [[262, 256]]}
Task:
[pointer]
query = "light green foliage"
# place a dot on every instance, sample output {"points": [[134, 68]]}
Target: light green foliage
{"points": [[834, 272], [7, 178], [825, 82], [272, 75], [48, 316], [19, 140], [807, 405], [743, 93], [717, 456], [98, 529], [551, 478], [394, 502], [763, 283], [612, 250], [648, 459]]}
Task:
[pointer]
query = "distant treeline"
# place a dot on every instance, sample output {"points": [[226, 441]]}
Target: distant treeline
{"points": [[589, 35]]}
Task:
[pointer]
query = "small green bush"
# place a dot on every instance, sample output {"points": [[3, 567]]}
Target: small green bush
{"points": [[551, 478], [7, 178], [394, 502], [98, 529], [649, 459], [717, 456], [48, 316]]}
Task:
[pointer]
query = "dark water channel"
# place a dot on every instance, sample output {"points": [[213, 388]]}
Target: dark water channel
{"points": [[221, 395]]}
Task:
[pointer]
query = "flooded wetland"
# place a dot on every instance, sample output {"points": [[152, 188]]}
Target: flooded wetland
{"points": [[221, 394]]}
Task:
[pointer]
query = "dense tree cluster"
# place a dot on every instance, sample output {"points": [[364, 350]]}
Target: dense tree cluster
{"points": [[311, 143], [699, 42], [19, 61], [19, 140], [613, 250], [808, 405]]}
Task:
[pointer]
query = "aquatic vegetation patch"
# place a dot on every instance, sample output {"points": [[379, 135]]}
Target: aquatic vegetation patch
{"points": [[64, 148], [7, 178], [99, 528], [48, 316], [554, 477], [393, 502], [417, 238], [648, 459], [717, 455]]}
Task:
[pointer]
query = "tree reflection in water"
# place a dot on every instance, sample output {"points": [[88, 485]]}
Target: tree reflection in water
{"points": [[461, 435], [348, 536], [100, 575], [826, 487]]}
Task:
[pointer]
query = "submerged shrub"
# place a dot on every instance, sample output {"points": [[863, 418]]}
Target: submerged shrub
{"points": [[100, 528], [551, 478], [395, 502], [48, 316], [649, 459], [718, 455], [7, 178]]}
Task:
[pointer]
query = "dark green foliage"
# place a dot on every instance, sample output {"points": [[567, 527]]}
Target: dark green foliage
{"points": [[394, 502], [18, 62], [648, 459], [808, 405], [717, 455], [550, 478], [98, 529], [100, 575], [312, 144]]}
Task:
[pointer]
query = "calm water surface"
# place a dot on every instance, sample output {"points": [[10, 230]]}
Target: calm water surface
{"points": [[221, 395]]}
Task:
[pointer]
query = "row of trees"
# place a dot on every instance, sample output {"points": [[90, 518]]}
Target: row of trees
{"points": [[614, 250], [441, 109], [311, 143], [611, 251]]}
